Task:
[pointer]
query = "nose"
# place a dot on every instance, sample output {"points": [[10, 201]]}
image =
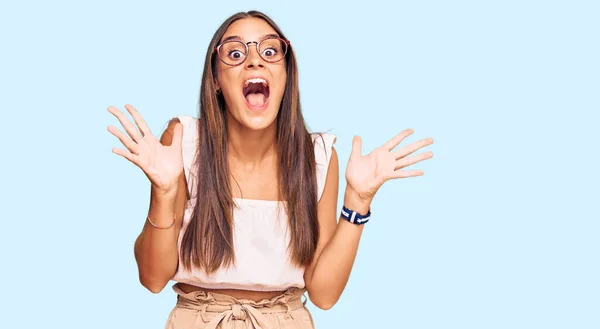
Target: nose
{"points": [[254, 60]]}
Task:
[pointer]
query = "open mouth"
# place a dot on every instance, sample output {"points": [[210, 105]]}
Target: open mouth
{"points": [[256, 92]]}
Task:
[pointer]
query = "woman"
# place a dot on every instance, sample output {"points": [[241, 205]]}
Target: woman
{"points": [[243, 210]]}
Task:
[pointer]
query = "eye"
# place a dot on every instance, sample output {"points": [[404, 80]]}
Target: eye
{"points": [[270, 52], [232, 51], [235, 54]]}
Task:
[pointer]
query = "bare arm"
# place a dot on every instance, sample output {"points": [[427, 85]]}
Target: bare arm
{"points": [[155, 249], [327, 276]]}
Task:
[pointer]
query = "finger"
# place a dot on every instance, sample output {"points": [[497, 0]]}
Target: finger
{"points": [[356, 147], [126, 154], [141, 123], [392, 143], [127, 142], [129, 128], [409, 149], [407, 173], [177, 136], [405, 162]]}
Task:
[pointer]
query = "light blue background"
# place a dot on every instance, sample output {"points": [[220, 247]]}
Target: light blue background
{"points": [[501, 232]]}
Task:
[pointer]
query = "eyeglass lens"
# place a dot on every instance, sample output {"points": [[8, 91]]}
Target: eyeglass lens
{"points": [[235, 52]]}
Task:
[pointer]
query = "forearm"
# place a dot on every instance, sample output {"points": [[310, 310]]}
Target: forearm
{"points": [[156, 249], [333, 268]]}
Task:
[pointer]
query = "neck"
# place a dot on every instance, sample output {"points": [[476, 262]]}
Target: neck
{"points": [[250, 147]]}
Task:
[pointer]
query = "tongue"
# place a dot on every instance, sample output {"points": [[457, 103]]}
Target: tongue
{"points": [[256, 99]]}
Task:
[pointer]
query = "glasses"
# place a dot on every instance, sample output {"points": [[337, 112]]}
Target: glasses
{"points": [[234, 53]]}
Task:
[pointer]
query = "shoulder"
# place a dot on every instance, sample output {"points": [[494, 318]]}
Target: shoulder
{"points": [[324, 138], [167, 136], [323, 143], [189, 143], [324, 153], [190, 128], [189, 123]]}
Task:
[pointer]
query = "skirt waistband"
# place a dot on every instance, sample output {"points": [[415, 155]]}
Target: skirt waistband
{"points": [[230, 308]]}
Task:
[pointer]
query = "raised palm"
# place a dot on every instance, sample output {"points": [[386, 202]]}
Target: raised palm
{"points": [[162, 164], [366, 174]]}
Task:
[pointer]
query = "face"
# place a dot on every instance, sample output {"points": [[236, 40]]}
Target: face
{"points": [[252, 90]]}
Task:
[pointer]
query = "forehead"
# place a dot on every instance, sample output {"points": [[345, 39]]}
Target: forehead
{"points": [[249, 29]]}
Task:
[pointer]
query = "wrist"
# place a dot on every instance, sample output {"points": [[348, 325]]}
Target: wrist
{"points": [[161, 213], [162, 200], [164, 193], [354, 201]]}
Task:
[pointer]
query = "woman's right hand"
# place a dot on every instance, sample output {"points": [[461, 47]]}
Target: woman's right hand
{"points": [[162, 164]]}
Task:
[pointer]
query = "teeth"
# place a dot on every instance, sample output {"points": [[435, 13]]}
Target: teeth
{"points": [[256, 80]]}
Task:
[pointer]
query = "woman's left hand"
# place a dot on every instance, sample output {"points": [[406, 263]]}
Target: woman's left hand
{"points": [[366, 174]]}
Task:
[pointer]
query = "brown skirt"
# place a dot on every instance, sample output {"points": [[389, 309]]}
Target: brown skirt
{"points": [[207, 310]]}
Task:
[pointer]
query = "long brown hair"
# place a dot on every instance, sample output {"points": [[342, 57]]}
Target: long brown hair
{"points": [[208, 239]]}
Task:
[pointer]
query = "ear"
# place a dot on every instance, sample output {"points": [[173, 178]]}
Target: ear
{"points": [[216, 84]]}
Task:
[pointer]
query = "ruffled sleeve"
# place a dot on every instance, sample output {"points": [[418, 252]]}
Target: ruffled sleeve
{"points": [[189, 145], [323, 149]]}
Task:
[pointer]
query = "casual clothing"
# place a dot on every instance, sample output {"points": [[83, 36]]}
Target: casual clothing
{"points": [[260, 233], [206, 310], [260, 238]]}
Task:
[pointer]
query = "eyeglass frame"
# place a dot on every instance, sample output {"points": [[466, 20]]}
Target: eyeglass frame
{"points": [[246, 44]]}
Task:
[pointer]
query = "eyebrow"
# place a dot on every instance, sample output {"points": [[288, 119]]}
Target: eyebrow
{"points": [[237, 37]]}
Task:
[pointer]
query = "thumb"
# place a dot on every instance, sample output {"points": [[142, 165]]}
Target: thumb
{"points": [[356, 147], [177, 136]]}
